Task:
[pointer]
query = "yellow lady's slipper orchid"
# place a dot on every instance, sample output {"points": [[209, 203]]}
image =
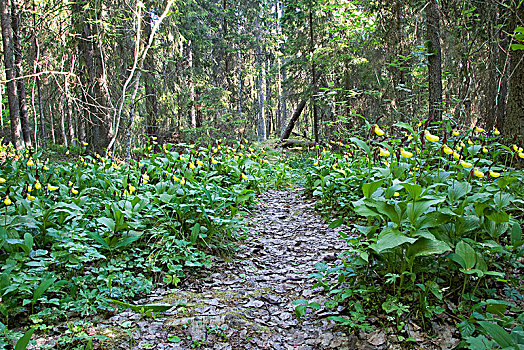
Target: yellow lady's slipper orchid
{"points": [[246, 141], [462, 144], [7, 201], [493, 174], [38, 185], [496, 132], [199, 162], [405, 153], [379, 131], [479, 130], [183, 181], [46, 168], [30, 162], [456, 133], [430, 137], [2, 180], [315, 164], [191, 165], [132, 188], [466, 164], [30, 198], [51, 187], [214, 150], [191, 146], [484, 150], [521, 155], [245, 177], [84, 143], [447, 150], [396, 194], [74, 190], [213, 161], [70, 184], [478, 173], [384, 152], [145, 177], [470, 142], [515, 148], [459, 149], [242, 147]]}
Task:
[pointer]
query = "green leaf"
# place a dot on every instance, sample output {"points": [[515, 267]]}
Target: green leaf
{"points": [[23, 342], [99, 239], [143, 308], [516, 234], [371, 187], [498, 217], [28, 242], [107, 222], [390, 240], [425, 247], [414, 190], [195, 230], [337, 223], [300, 310], [361, 144], [123, 242], [458, 190], [466, 252], [499, 335], [44, 285]]}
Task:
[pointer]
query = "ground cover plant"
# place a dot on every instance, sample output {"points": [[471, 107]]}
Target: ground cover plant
{"points": [[79, 238], [438, 231]]}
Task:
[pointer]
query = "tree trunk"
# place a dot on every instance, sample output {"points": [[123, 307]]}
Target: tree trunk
{"points": [[151, 98], [260, 87], [434, 61], [293, 120], [514, 122], [69, 111], [12, 94], [192, 113], [314, 76], [19, 72]]}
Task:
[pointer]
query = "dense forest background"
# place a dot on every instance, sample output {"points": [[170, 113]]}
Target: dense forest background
{"points": [[108, 72]]}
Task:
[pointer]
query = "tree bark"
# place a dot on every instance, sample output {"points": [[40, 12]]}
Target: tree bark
{"points": [[314, 76], [434, 61], [293, 120], [192, 97], [151, 98], [514, 122], [12, 94]]}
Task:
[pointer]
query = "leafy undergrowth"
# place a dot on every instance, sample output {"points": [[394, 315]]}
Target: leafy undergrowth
{"points": [[438, 233], [81, 236]]}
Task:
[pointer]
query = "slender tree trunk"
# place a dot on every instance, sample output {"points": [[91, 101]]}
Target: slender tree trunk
{"points": [[314, 76], [53, 135], [434, 61], [63, 107], [12, 94], [69, 111], [260, 86], [192, 98], [293, 120], [151, 98]]}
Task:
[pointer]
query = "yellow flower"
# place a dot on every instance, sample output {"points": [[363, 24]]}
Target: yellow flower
{"points": [[213, 161], [154, 138], [132, 188], [466, 164], [265, 161], [315, 164], [30, 162], [199, 162], [384, 152], [456, 155], [241, 146], [192, 146], [245, 177], [515, 148], [430, 137], [462, 144], [246, 141], [38, 185], [2, 180], [7, 201], [30, 198], [67, 152], [493, 173], [145, 177], [396, 194], [84, 143], [478, 173], [459, 148], [521, 155], [447, 149], [176, 179], [214, 150], [51, 187], [405, 153], [70, 183], [419, 124], [191, 165], [484, 150], [496, 132], [183, 181], [455, 133], [74, 190], [379, 131], [46, 168], [479, 130], [29, 188], [470, 142]]}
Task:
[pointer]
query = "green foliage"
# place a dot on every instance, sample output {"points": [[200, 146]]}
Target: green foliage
{"points": [[428, 216]]}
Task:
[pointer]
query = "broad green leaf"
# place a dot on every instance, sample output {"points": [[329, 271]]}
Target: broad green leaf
{"points": [[498, 217], [107, 222], [458, 190], [337, 223], [361, 144], [143, 308], [425, 247], [516, 234], [99, 239], [499, 335], [44, 285], [23, 342], [391, 240], [466, 252], [28, 241], [414, 190], [124, 242], [370, 187]]}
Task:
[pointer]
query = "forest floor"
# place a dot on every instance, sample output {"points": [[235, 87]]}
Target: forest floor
{"points": [[245, 301]]}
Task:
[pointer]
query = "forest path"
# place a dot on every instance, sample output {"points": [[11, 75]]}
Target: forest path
{"points": [[246, 302]]}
